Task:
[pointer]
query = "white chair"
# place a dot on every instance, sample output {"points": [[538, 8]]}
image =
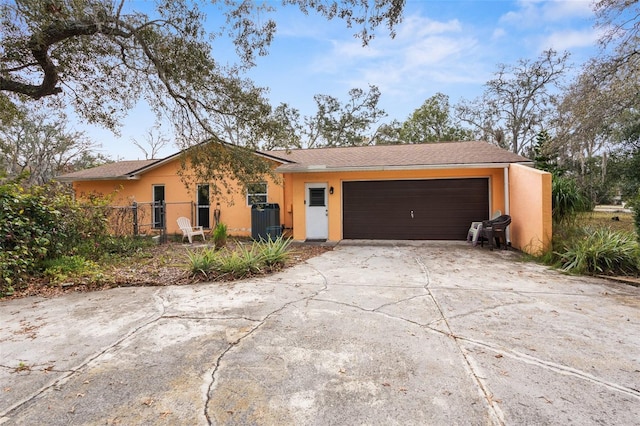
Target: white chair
{"points": [[475, 231], [188, 230]]}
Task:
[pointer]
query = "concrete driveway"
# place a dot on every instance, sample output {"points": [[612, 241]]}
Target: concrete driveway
{"points": [[422, 333]]}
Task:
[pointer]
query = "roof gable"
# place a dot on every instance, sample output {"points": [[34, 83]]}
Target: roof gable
{"points": [[132, 169]]}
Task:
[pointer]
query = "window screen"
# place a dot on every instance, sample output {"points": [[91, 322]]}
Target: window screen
{"points": [[316, 197]]}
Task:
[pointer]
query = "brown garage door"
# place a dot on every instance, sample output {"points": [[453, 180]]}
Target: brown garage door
{"points": [[440, 209]]}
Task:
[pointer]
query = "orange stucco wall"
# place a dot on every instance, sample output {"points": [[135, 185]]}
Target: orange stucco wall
{"points": [[529, 198], [530, 209], [180, 199], [295, 191]]}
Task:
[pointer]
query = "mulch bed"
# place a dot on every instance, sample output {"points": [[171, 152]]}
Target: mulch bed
{"points": [[161, 265]]}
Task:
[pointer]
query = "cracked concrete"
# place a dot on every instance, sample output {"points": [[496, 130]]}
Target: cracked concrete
{"points": [[370, 333]]}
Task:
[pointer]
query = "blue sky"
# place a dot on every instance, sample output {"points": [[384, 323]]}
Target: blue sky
{"points": [[444, 46]]}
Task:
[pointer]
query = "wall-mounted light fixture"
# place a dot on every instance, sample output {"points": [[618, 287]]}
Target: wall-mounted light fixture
{"points": [[331, 190]]}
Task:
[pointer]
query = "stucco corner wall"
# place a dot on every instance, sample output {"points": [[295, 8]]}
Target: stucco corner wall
{"points": [[530, 209]]}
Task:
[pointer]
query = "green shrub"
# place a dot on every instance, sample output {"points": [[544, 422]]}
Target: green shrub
{"points": [[567, 199], [220, 235], [601, 251], [635, 206], [274, 252], [27, 232], [62, 268], [45, 222], [240, 262]]}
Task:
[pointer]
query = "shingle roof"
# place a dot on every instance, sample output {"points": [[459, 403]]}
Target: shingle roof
{"points": [[379, 157], [111, 171]]}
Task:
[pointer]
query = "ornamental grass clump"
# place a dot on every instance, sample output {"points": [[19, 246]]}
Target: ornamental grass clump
{"points": [[601, 251], [203, 261], [275, 252], [240, 262], [567, 200]]}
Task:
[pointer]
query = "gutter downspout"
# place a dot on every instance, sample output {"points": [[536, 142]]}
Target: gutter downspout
{"points": [[507, 209]]}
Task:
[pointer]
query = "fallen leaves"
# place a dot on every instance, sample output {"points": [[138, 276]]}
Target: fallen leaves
{"points": [[162, 265]]}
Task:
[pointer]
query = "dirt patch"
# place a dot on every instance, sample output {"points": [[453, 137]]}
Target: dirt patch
{"points": [[160, 265]]}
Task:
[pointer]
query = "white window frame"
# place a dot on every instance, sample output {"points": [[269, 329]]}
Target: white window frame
{"points": [[261, 195]]}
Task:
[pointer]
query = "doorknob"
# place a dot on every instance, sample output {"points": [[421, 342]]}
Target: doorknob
{"points": [[411, 214]]}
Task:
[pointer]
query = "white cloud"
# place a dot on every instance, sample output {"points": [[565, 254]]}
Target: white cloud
{"points": [[498, 33], [415, 26], [432, 51], [531, 13], [419, 42], [566, 40], [566, 9], [425, 57]]}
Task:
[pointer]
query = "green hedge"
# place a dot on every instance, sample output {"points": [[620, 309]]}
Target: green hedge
{"points": [[41, 223]]}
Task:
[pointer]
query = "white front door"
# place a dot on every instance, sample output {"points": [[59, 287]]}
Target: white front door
{"points": [[317, 214]]}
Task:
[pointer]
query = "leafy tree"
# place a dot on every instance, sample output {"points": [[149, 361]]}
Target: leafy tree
{"points": [[623, 170], [41, 146], [432, 122], [597, 126], [334, 124], [516, 102], [620, 20], [8, 111], [388, 134], [347, 124], [106, 55]]}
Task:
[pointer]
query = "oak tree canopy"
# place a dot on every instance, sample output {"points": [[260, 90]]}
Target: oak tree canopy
{"points": [[104, 56]]}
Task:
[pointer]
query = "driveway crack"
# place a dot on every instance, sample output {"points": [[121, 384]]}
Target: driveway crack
{"points": [[495, 413], [552, 366], [257, 326], [69, 374]]}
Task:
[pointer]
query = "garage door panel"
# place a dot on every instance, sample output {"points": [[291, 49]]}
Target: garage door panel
{"points": [[442, 209]]}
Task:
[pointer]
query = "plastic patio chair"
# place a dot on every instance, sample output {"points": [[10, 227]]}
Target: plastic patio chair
{"points": [[188, 230], [495, 231], [475, 231]]}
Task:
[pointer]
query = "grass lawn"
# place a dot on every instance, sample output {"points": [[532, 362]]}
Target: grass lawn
{"points": [[597, 243], [607, 219]]}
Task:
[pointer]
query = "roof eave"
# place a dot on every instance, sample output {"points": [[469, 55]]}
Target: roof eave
{"points": [[320, 169], [85, 179], [177, 155]]}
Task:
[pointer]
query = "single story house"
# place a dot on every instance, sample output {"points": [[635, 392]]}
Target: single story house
{"points": [[404, 192]]}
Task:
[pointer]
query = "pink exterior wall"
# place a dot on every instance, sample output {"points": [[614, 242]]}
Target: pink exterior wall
{"points": [[530, 209], [180, 199]]}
